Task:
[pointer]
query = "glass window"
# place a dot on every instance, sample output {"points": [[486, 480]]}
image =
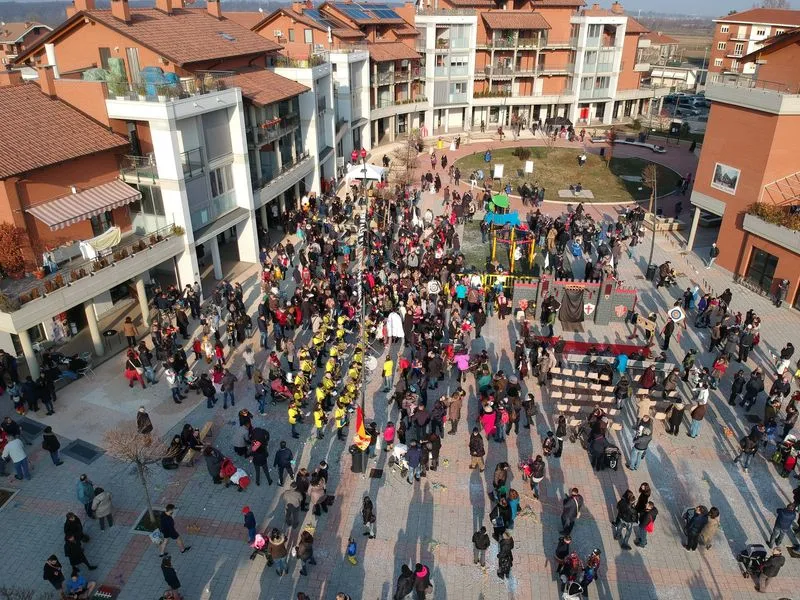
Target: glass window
{"points": [[308, 36], [738, 48], [595, 30], [721, 46], [761, 269], [105, 54], [291, 35], [761, 32], [724, 29], [717, 62]]}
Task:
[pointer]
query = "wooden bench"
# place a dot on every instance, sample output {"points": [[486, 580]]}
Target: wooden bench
{"points": [[205, 432]]}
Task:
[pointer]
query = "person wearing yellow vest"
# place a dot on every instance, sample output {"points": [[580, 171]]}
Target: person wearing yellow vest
{"points": [[388, 374], [295, 415], [340, 417], [319, 420]]}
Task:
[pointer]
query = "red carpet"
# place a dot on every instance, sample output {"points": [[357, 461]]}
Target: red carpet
{"points": [[575, 347]]}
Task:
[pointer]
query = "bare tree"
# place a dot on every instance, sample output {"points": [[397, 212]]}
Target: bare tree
{"points": [[550, 142], [15, 593], [404, 161], [126, 444], [611, 138], [773, 4]]}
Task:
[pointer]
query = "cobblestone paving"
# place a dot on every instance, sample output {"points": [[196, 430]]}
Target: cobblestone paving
{"points": [[431, 521]]}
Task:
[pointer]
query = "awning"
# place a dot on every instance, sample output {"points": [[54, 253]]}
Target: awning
{"points": [[68, 210]]}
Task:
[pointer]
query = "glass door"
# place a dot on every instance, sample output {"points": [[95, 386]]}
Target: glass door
{"points": [[761, 269]]}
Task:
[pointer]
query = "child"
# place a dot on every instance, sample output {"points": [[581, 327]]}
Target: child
{"points": [[352, 548], [16, 398], [197, 348], [388, 436]]}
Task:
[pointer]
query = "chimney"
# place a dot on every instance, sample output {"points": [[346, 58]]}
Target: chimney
{"points": [[298, 7], [596, 6], [121, 10], [617, 9], [164, 6], [47, 80], [9, 77], [214, 8]]}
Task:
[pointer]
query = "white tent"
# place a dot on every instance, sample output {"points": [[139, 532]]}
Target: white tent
{"points": [[366, 171]]}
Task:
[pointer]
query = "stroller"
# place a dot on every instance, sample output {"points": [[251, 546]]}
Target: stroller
{"points": [[785, 455], [611, 457], [751, 560], [397, 459], [572, 591]]}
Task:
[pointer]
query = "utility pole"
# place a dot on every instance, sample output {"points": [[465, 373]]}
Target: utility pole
{"points": [[700, 73]]}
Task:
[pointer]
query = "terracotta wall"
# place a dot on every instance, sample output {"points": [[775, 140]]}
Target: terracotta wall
{"points": [[628, 78], [714, 53], [298, 48], [781, 66], [89, 97], [553, 85]]}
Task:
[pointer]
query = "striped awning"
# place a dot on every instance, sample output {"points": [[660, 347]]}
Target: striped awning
{"points": [[68, 210]]}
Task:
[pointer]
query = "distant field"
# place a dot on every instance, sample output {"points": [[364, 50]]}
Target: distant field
{"points": [[692, 44]]}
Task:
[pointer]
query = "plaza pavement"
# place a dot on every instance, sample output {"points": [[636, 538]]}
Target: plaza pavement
{"points": [[431, 521]]}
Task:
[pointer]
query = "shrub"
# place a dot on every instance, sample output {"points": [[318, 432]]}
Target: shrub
{"points": [[11, 241], [636, 125], [775, 214], [522, 153]]}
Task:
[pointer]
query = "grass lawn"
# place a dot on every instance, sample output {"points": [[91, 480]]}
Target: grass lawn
{"points": [[557, 168]]}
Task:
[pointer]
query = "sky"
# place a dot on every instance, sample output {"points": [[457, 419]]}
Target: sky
{"points": [[690, 7]]}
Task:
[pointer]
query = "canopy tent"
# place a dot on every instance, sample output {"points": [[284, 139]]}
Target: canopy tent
{"points": [[500, 200], [510, 219], [558, 122], [366, 172]]}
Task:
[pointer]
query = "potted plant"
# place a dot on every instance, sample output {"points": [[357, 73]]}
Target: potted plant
{"points": [[118, 89], [24, 299], [162, 91], [48, 288], [178, 230], [39, 273], [141, 91], [58, 280], [6, 304]]}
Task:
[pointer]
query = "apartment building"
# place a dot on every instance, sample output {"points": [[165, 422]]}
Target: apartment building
{"points": [[749, 155], [662, 49], [15, 38], [740, 34], [213, 143]]}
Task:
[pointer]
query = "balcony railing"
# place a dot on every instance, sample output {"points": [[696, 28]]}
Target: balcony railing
{"points": [[204, 83], [757, 85], [192, 163], [568, 68], [20, 292], [288, 166], [498, 71], [445, 12], [139, 168], [314, 60], [387, 102], [595, 93], [558, 44], [269, 131]]}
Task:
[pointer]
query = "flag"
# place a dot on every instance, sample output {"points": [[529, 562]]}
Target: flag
{"points": [[362, 439]]}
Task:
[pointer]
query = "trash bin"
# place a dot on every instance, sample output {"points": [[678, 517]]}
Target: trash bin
{"points": [[359, 464], [651, 272]]}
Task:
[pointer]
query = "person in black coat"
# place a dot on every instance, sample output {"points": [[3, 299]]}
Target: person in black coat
{"points": [[571, 510], [501, 517], [405, 583], [283, 462], [368, 517], [74, 552], [170, 576], [213, 463], [260, 455], [422, 580], [53, 572], [770, 569], [73, 527], [505, 558]]}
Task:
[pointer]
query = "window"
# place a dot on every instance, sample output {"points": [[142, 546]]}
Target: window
{"points": [[738, 49], [308, 36], [780, 31], [761, 32], [761, 269], [102, 222], [221, 181], [734, 65], [105, 54], [717, 62], [594, 31], [721, 46], [724, 29], [291, 35]]}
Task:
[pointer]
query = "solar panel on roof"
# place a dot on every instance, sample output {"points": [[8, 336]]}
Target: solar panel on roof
{"points": [[385, 13], [353, 12]]}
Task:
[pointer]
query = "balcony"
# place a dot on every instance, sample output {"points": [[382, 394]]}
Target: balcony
{"points": [[302, 160], [776, 234], [386, 107], [602, 93], [383, 78], [549, 44], [204, 83], [765, 96], [192, 163], [498, 72], [32, 301], [138, 169], [446, 12], [271, 130], [641, 67], [562, 70]]}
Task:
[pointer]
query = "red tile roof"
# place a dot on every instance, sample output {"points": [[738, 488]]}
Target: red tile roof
{"points": [[771, 16], [659, 39], [247, 19], [406, 30], [635, 27], [264, 87], [514, 19], [385, 51], [37, 131], [11, 33], [536, 3], [473, 3], [340, 31], [188, 35]]}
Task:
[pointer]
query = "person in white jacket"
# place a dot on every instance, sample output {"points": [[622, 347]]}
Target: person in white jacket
{"points": [[15, 450]]}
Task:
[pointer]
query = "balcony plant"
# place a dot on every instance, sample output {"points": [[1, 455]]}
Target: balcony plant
{"points": [[178, 230], [39, 273], [118, 89], [141, 91], [7, 305], [162, 91], [11, 259], [49, 288], [775, 214], [24, 299], [58, 281]]}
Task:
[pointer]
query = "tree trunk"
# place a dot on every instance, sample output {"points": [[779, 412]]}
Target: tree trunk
{"points": [[143, 480]]}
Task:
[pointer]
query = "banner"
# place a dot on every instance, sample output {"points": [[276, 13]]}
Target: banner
{"points": [[362, 439]]}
